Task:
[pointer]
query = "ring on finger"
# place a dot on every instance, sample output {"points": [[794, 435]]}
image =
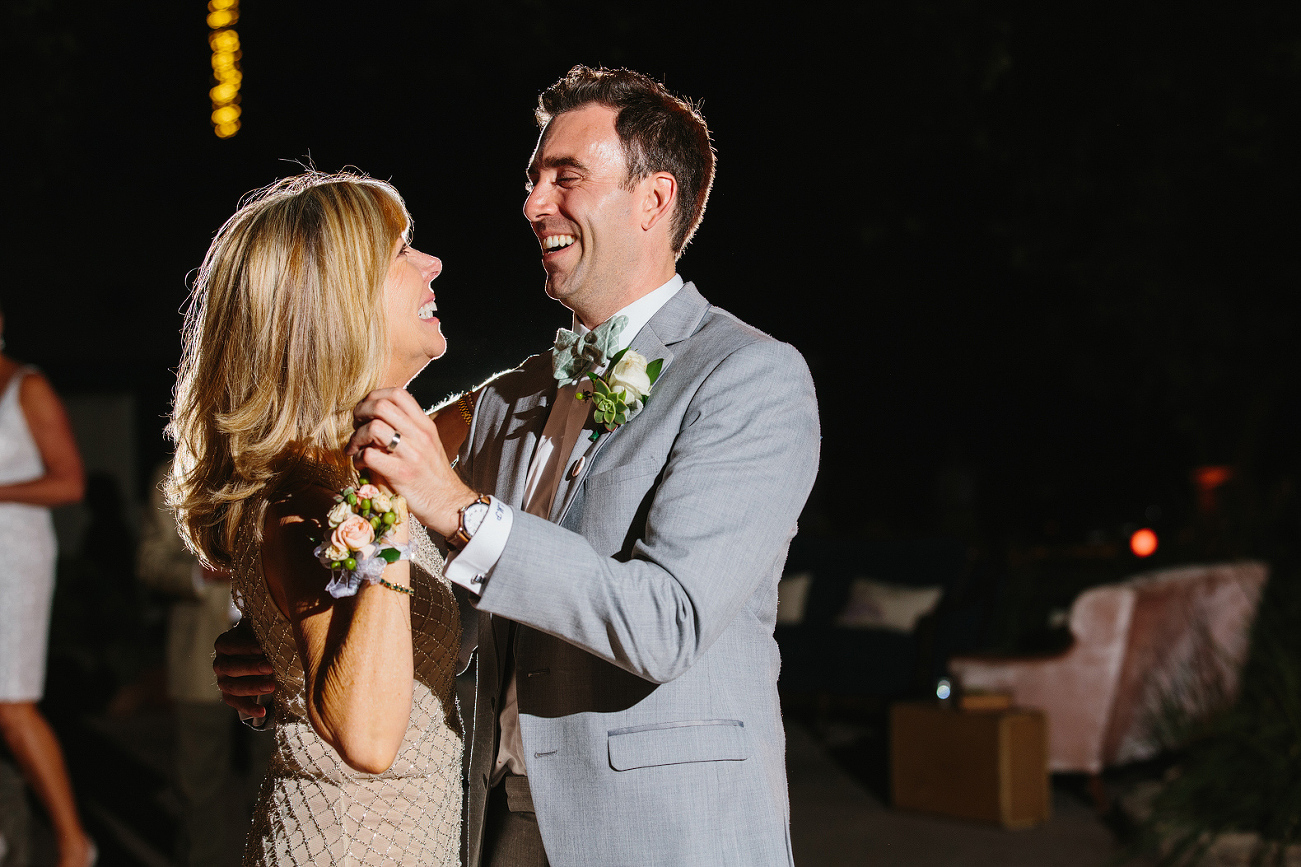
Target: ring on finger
{"points": [[393, 443]]}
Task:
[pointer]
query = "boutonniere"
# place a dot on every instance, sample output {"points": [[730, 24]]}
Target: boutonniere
{"points": [[623, 391], [360, 544]]}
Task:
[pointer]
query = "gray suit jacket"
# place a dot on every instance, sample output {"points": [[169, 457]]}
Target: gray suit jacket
{"points": [[644, 651]]}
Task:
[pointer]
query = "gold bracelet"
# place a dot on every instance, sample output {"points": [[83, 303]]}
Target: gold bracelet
{"points": [[398, 587], [467, 409]]}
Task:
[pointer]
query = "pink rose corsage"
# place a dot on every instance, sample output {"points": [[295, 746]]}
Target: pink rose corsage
{"points": [[361, 543]]}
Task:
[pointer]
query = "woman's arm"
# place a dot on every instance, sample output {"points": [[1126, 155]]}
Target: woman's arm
{"points": [[356, 651], [64, 480]]}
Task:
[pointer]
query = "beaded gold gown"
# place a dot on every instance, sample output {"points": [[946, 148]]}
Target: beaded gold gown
{"points": [[314, 809]]}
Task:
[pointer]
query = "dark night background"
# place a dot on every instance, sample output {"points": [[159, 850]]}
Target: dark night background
{"points": [[1036, 256]]}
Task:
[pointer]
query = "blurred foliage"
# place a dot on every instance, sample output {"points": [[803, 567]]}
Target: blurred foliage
{"points": [[1241, 772]]}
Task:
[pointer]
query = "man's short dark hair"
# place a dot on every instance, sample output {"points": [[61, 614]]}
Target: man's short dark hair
{"points": [[659, 132]]}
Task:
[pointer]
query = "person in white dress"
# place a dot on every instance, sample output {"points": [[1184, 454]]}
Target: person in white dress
{"points": [[40, 467], [309, 296]]}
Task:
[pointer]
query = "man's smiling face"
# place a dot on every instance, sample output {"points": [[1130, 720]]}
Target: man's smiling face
{"points": [[581, 211]]}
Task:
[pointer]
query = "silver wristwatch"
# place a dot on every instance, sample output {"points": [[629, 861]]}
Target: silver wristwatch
{"points": [[471, 519]]}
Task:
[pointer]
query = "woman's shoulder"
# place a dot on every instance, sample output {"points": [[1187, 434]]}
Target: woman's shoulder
{"points": [[29, 379], [293, 524], [47, 418], [33, 384], [298, 497], [35, 392]]}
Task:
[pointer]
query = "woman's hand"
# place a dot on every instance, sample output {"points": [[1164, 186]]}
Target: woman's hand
{"points": [[417, 467]]}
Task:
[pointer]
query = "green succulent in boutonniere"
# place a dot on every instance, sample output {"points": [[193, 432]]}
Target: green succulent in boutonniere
{"points": [[623, 391]]}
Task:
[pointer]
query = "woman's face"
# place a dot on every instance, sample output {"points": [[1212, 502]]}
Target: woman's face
{"points": [[415, 336]]}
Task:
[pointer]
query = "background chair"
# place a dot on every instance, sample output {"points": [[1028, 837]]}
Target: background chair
{"points": [[1149, 654]]}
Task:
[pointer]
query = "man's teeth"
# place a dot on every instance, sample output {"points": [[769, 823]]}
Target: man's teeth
{"points": [[427, 311], [556, 242]]}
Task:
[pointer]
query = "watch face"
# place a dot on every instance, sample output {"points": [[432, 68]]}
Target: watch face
{"points": [[472, 517]]}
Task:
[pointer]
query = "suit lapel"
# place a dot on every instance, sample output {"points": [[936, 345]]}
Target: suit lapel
{"points": [[530, 417], [675, 321]]}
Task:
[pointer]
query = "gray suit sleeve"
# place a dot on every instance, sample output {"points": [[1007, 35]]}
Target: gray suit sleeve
{"points": [[722, 510]]}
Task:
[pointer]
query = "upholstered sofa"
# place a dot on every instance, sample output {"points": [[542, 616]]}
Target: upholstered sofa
{"points": [[1146, 651], [832, 646]]}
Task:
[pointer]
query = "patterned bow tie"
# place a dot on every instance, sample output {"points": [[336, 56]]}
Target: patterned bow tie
{"points": [[575, 355]]}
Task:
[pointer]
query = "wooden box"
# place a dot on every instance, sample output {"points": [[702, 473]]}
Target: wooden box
{"points": [[988, 765]]}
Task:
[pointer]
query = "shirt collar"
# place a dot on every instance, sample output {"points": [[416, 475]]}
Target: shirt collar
{"points": [[640, 311]]}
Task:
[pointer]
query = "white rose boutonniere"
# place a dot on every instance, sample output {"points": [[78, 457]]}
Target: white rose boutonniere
{"points": [[630, 376], [622, 393]]}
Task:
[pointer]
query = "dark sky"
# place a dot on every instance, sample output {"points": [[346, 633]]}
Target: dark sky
{"points": [[1051, 248]]}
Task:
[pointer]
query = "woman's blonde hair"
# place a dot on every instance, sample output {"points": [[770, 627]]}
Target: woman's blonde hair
{"points": [[285, 332]]}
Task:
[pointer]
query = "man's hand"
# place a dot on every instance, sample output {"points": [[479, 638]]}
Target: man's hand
{"points": [[417, 467], [243, 671]]}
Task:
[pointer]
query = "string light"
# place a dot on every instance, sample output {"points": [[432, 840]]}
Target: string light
{"points": [[224, 42]]}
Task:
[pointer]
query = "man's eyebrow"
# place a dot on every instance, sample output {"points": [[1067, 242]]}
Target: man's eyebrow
{"points": [[558, 163]]}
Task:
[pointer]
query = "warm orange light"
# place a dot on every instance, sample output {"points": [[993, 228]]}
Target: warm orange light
{"points": [[1143, 542], [225, 67], [218, 20], [225, 114], [1209, 477]]}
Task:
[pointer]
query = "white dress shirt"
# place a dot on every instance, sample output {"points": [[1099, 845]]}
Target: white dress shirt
{"points": [[555, 454]]}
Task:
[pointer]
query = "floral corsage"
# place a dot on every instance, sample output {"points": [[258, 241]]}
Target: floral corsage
{"points": [[361, 541], [623, 391]]}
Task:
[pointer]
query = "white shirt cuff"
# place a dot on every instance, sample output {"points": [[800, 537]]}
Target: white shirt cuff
{"points": [[471, 566]]}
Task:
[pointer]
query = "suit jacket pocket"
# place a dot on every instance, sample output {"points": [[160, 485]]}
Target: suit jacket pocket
{"points": [[674, 743]]}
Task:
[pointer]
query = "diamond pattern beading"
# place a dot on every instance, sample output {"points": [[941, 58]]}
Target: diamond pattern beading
{"points": [[313, 809]]}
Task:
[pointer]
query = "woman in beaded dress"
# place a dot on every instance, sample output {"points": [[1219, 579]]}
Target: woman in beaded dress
{"points": [[39, 467], [309, 297]]}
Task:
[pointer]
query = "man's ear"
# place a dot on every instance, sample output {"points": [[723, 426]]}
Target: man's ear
{"points": [[660, 192]]}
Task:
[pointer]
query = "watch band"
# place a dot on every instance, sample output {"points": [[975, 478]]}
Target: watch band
{"points": [[462, 536]]}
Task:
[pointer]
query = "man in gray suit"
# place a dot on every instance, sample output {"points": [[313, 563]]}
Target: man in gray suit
{"points": [[625, 565]]}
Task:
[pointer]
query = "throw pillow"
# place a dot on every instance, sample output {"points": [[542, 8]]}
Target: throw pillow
{"points": [[792, 594], [878, 605]]}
